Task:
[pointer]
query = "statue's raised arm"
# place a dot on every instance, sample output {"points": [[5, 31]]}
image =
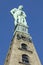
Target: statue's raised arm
{"points": [[19, 16], [13, 11]]}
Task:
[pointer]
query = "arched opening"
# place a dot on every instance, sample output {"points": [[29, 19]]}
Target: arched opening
{"points": [[25, 58], [18, 36], [24, 46]]}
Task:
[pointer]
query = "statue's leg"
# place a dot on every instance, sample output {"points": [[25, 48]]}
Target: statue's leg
{"points": [[25, 23], [19, 19], [15, 22]]}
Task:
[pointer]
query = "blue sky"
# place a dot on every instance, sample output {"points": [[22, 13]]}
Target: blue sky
{"points": [[34, 12]]}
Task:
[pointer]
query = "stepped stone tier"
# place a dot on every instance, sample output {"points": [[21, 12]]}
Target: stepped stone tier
{"points": [[21, 50]]}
